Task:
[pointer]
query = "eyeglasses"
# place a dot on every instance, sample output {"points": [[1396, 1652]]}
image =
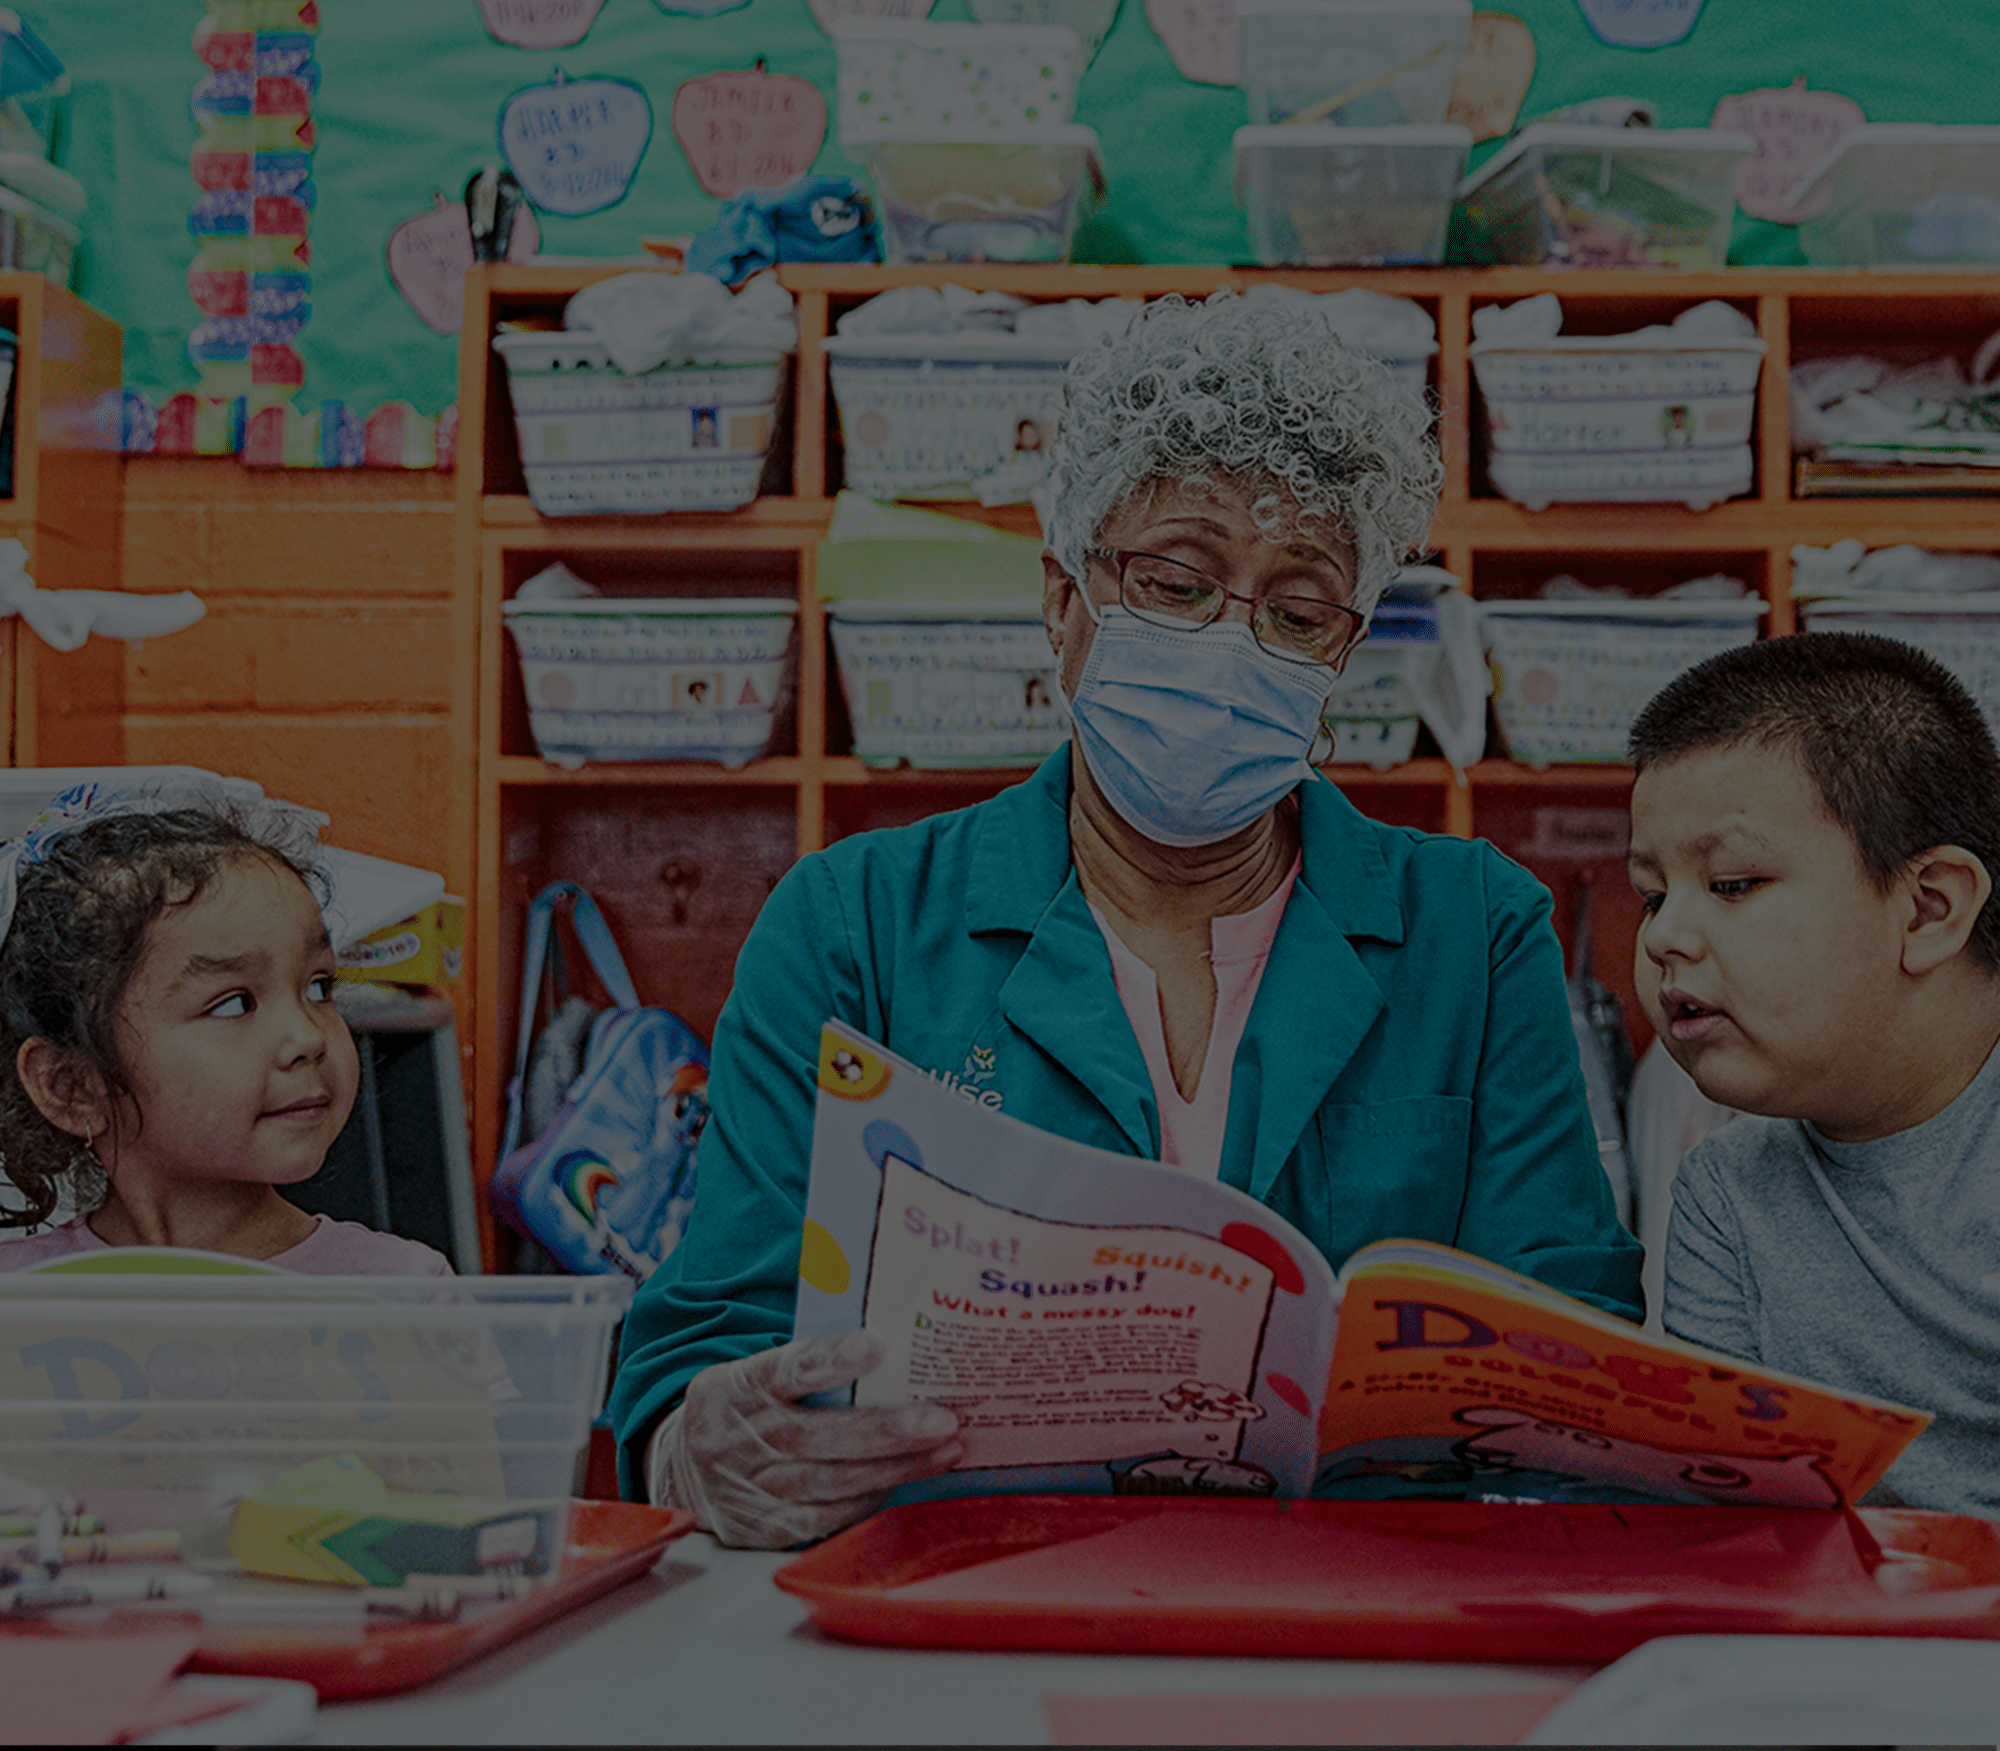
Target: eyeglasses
{"points": [[1164, 592]]}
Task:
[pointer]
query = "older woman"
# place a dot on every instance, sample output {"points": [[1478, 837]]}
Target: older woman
{"points": [[1175, 940]]}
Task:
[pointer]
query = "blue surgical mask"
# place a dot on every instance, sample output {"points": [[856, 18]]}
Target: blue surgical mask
{"points": [[1192, 735]]}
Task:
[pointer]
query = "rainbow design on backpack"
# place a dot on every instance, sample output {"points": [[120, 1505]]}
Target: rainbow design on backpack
{"points": [[583, 1177]]}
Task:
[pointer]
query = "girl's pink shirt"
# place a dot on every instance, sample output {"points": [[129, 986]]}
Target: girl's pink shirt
{"points": [[333, 1249], [1239, 945]]}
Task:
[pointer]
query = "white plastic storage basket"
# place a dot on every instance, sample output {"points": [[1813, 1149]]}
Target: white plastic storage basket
{"points": [[1569, 677], [1619, 416], [946, 684], [1396, 58], [217, 1385], [678, 438], [652, 679], [1325, 196], [1374, 712], [929, 414], [1962, 632], [1580, 194], [899, 73], [1916, 194]]}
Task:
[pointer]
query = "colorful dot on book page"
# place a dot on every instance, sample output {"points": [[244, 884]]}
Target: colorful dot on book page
{"points": [[1290, 1391], [883, 1139], [822, 1265], [1266, 1249]]}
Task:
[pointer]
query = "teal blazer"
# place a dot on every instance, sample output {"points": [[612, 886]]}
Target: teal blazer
{"points": [[1408, 1069]]}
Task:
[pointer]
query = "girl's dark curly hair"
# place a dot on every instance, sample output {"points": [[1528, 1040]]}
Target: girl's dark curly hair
{"points": [[81, 917]]}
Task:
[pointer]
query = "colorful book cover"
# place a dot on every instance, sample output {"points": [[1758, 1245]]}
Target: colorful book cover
{"points": [[1105, 1324]]}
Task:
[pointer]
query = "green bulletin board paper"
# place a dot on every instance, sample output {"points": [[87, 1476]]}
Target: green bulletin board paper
{"points": [[410, 93]]}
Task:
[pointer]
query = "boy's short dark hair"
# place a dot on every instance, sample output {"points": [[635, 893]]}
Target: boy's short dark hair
{"points": [[1897, 749]]}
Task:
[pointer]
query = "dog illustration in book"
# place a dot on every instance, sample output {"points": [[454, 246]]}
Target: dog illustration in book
{"points": [[1515, 1441], [1516, 1456], [1171, 1474]]}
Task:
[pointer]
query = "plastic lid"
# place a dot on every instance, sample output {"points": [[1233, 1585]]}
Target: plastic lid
{"points": [[952, 33], [1585, 136], [685, 607], [1302, 135], [1393, 10], [1867, 136], [1888, 602]]}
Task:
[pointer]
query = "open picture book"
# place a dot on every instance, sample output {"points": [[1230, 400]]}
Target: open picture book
{"points": [[1101, 1323]]}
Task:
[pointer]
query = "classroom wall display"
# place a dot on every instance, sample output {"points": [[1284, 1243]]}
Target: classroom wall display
{"points": [[753, 129], [402, 101]]}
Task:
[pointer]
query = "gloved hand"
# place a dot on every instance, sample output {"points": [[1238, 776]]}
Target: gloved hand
{"points": [[761, 1470]]}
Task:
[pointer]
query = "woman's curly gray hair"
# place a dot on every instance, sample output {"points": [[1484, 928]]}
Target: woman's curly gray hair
{"points": [[1237, 389]]}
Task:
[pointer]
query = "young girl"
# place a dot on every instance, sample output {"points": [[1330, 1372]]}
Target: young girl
{"points": [[170, 1053]]}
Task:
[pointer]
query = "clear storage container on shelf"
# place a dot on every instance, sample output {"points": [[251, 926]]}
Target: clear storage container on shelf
{"points": [[1961, 631], [948, 684], [928, 414], [626, 678], [1569, 677], [1916, 194], [969, 194], [174, 1395], [1322, 196], [901, 73], [1578, 194], [1366, 63], [1652, 415], [681, 437]]}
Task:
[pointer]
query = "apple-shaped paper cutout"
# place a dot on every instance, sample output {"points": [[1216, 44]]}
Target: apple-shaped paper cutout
{"points": [[428, 254], [1090, 19], [1794, 129], [1493, 78], [574, 144], [539, 24], [1200, 35], [748, 130], [832, 12], [1640, 24]]}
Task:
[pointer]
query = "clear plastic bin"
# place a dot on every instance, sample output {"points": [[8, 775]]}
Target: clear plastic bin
{"points": [[1396, 58], [1918, 194], [1962, 632], [1575, 194], [202, 1388], [623, 678], [972, 196], [930, 414], [1325, 196], [35, 240], [897, 73], [948, 684], [678, 438], [1645, 416], [1569, 677]]}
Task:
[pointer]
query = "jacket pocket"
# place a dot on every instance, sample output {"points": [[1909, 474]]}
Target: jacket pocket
{"points": [[1392, 1169]]}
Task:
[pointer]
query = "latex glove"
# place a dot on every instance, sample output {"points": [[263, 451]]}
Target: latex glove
{"points": [[760, 1470]]}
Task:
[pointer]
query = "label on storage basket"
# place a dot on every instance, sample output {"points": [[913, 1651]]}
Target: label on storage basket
{"points": [[945, 692], [1569, 678], [652, 680]]}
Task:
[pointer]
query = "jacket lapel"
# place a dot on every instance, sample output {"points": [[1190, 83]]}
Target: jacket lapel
{"points": [[1316, 1001], [1060, 993]]}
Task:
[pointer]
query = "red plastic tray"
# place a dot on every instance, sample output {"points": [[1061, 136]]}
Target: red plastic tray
{"points": [[1389, 1580], [610, 1543]]}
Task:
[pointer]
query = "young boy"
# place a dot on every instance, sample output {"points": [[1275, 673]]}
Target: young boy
{"points": [[1815, 831]]}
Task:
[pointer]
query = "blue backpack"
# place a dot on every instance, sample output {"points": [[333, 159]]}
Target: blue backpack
{"points": [[605, 1181]]}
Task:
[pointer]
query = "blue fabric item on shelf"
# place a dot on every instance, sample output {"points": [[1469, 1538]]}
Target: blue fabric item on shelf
{"points": [[816, 218]]}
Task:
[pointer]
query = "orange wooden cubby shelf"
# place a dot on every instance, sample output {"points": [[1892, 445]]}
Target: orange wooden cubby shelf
{"points": [[682, 854]]}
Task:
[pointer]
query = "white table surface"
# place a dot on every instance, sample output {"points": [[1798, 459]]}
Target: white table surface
{"points": [[704, 1649]]}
